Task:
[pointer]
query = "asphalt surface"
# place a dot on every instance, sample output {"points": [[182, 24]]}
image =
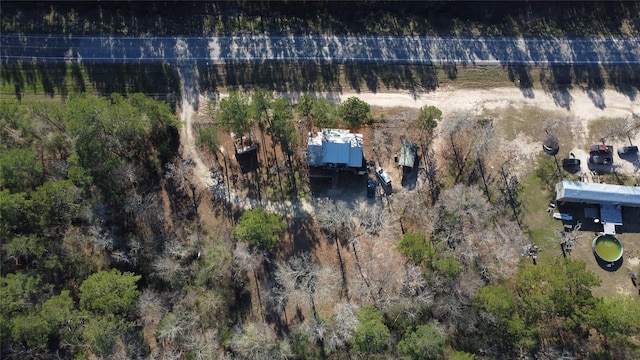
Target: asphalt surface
{"points": [[336, 49]]}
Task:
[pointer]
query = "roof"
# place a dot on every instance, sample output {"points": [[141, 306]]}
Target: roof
{"points": [[408, 154], [581, 192], [335, 146]]}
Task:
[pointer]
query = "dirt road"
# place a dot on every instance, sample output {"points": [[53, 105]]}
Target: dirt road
{"points": [[610, 103]]}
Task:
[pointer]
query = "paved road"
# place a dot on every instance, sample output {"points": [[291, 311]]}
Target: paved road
{"points": [[340, 49]]}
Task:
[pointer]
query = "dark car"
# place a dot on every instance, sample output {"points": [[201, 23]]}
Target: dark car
{"points": [[627, 150], [601, 159], [570, 163], [371, 188]]}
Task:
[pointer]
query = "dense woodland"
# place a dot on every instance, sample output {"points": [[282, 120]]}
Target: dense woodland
{"points": [[495, 18], [111, 248]]}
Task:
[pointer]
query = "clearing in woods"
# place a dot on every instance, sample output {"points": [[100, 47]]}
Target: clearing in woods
{"points": [[521, 121]]}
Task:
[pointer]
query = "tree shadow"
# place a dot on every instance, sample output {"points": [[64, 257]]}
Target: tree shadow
{"points": [[159, 81], [625, 78], [521, 76], [53, 78], [557, 81]]}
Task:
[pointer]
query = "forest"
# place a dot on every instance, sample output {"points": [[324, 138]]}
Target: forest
{"points": [[112, 247], [105, 253]]}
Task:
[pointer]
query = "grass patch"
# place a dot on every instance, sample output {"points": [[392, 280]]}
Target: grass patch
{"points": [[474, 76], [526, 120], [541, 227]]}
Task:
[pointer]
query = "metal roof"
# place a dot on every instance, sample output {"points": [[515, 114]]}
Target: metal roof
{"points": [[335, 146], [590, 193], [407, 154]]}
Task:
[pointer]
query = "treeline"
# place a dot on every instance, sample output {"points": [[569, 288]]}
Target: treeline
{"points": [[280, 17]]}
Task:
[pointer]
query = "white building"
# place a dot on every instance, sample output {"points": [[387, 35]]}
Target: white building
{"points": [[335, 148], [610, 198], [590, 193]]}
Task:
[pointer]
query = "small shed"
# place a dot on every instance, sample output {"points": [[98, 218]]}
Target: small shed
{"points": [[408, 152]]}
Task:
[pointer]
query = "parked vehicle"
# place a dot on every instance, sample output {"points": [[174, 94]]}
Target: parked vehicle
{"points": [[627, 150], [383, 176], [600, 149], [601, 154], [601, 159], [570, 163], [371, 188]]}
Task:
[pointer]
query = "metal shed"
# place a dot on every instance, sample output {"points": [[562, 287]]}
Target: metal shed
{"points": [[407, 154]]}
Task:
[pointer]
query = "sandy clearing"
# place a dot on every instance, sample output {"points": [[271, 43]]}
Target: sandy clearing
{"points": [[452, 100]]}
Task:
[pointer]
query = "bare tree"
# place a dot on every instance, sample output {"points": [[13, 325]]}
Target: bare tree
{"points": [[373, 219], [344, 324], [151, 308], [203, 345], [335, 218], [250, 261], [468, 140], [179, 174], [171, 327], [169, 269], [313, 281], [257, 340], [463, 226], [621, 128]]}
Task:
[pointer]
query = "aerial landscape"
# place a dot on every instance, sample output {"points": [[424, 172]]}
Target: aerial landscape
{"points": [[319, 180]]}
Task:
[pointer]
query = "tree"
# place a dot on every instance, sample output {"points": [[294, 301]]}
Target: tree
{"points": [[31, 331], [425, 342], [208, 137], [15, 214], [259, 228], [282, 130], [110, 292], [371, 335], [101, 332], [617, 316], [56, 203], [257, 340], [497, 301], [111, 132], [460, 355], [323, 114], [19, 169], [305, 104], [261, 102], [26, 248], [416, 248], [354, 112], [234, 113], [428, 118]]}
